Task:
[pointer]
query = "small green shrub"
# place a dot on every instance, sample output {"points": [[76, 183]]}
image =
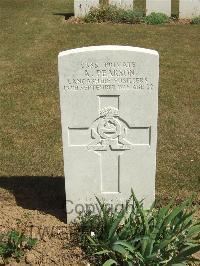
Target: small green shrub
{"points": [[156, 18], [13, 244], [109, 13], [130, 16], [134, 236], [196, 20]]}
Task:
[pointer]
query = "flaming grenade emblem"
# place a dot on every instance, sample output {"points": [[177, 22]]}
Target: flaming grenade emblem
{"points": [[109, 131]]}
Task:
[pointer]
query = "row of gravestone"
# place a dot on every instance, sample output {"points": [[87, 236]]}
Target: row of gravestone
{"points": [[187, 8]]}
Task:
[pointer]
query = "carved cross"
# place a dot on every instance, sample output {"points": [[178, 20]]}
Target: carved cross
{"points": [[108, 140]]}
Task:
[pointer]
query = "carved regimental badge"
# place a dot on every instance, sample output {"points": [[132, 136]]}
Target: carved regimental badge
{"points": [[109, 132]]}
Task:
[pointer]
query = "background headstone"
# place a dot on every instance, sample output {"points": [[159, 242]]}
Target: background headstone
{"points": [[115, 2], [109, 105], [189, 8], [125, 4], [158, 6], [82, 7]]}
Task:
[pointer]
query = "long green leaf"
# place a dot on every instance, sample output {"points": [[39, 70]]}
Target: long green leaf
{"points": [[140, 238], [139, 256], [107, 218], [185, 253], [149, 247], [176, 211], [156, 231], [141, 212], [178, 264], [189, 251], [126, 245], [103, 209], [166, 242], [115, 224], [123, 251], [126, 231], [194, 230], [105, 251], [120, 249], [110, 262], [160, 219], [184, 222], [144, 246], [91, 240]]}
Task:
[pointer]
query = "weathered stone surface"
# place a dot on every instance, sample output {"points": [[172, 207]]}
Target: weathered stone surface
{"points": [[82, 7], [189, 8], [158, 6], [109, 105]]}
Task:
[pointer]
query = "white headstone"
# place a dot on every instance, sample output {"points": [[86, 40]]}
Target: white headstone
{"points": [[158, 6], [82, 7], [189, 8], [125, 4], [109, 105], [115, 2]]}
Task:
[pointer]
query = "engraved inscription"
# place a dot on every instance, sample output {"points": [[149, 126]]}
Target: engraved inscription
{"points": [[108, 76]]}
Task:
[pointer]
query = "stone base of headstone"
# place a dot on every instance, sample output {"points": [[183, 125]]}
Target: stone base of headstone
{"points": [[158, 6], [189, 8], [82, 7]]}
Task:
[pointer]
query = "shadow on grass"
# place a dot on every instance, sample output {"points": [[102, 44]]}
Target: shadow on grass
{"points": [[42, 193], [66, 15]]}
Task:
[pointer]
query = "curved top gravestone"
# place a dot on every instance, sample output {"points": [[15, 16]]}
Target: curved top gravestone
{"points": [[109, 106], [189, 9], [158, 6]]}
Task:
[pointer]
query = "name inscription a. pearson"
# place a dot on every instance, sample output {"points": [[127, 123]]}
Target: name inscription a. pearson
{"points": [[107, 76]]}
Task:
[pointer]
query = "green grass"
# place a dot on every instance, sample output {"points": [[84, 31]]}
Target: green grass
{"points": [[31, 38]]}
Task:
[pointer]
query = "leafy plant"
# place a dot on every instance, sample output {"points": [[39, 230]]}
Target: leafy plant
{"points": [[196, 20], [156, 18], [109, 13], [130, 16], [13, 244], [135, 236]]}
